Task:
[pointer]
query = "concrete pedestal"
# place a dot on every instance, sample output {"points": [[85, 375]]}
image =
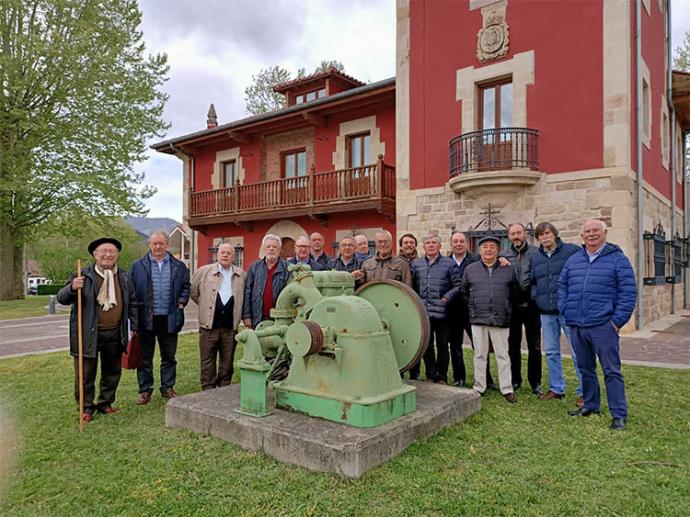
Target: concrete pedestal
{"points": [[319, 444]]}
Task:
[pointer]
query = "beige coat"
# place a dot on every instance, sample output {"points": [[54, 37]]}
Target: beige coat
{"points": [[205, 284]]}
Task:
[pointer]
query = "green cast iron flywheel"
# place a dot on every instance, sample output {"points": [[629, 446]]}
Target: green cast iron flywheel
{"points": [[402, 309]]}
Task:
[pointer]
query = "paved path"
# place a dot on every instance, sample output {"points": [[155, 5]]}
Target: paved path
{"points": [[51, 333]]}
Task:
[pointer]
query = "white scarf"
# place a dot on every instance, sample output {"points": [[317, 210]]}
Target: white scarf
{"points": [[106, 294]]}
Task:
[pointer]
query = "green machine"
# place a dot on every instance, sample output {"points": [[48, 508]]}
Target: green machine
{"points": [[334, 353]]}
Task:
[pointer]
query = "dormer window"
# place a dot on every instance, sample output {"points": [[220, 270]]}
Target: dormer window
{"points": [[310, 96]]}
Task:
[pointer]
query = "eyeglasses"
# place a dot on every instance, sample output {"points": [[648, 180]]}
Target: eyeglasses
{"points": [[106, 251]]}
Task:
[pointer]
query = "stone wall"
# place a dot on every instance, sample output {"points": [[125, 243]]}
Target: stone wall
{"points": [[274, 145], [565, 199]]}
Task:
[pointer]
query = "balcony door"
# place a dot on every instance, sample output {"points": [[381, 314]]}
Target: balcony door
{"points": [[358, 180], [494, 150], [294, 165]]}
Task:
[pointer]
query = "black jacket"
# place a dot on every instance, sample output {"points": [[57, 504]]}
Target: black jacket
{"points": [[545, 271], [520, 259], [90, 309], [457, 308], [489, 293]]}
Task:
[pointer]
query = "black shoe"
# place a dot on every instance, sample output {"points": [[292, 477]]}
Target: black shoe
{"points": [[516, 386], [459, 384], [492, 387], [537, 390], [618, 424], [583, 412]]}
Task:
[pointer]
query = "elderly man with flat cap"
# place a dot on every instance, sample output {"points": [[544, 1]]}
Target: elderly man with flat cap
{"points": [[108, 303]]}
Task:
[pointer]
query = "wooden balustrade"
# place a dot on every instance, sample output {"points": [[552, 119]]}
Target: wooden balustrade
{"points": [[316, 190]]}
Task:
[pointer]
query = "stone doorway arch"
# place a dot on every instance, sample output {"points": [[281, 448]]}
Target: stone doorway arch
{"points": [[287, 229]]}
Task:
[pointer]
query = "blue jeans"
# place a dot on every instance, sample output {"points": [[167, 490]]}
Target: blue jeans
{"points": [[600, 341], [552, 324]]}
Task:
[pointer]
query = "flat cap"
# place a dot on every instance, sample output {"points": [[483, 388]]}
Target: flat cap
{"points": [[104, 240], [490, 237]]}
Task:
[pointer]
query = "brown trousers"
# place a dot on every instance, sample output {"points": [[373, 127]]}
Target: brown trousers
{"points": [[216, 344]]}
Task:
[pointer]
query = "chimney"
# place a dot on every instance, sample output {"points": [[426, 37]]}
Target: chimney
{"points": [[211, 117]]}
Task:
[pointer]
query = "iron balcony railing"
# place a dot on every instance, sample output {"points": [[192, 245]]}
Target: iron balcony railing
{"points": [[494, 149]]}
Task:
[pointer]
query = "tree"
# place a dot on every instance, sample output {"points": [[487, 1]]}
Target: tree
{"points": [[57, 253], [260, 97], [326, 65], [681, 61], [78, 101]]}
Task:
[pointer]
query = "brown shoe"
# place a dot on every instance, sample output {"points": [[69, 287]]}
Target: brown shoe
{"points": [[87, 416], [108, 410], [551, 395], [580, 402], [144, 398], [169, 394], [510, 397]]}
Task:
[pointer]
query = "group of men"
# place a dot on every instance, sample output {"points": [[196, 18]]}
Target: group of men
{"points": [[587, 292]]}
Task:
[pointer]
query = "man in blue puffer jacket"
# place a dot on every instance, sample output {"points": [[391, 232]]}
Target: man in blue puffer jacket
{"points": [[433, 278], [546, 265], [596, 295]]}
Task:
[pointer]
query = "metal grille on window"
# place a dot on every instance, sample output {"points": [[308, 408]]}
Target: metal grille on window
{"points": [[674, 260], [212, 255], [239, 256], [655, 253]]}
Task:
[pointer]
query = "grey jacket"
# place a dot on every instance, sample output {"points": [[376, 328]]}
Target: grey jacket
{"points": [[489, 293], [254, 288], [90, 309]]}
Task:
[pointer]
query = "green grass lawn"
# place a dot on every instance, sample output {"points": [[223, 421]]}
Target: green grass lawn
{"points": [[529, 459], [31, 306]]}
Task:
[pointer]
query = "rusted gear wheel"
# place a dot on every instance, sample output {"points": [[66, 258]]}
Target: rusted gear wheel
{"points": [[403, 311]]}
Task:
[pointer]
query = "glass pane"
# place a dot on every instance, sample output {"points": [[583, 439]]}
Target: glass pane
{"points": [[367, 155], [299, 99], [507, 105], [311, 96], [355, 152], [290, 166], [488, 108], [302, 163], [322, 92]]}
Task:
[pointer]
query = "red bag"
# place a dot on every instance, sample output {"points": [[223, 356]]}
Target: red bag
{"points": [[131, 358]]}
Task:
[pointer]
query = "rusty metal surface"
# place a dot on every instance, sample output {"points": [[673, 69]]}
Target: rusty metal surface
{"points": [[404, 312]]}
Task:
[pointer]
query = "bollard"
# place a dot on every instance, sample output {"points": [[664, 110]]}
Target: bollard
{"points": [[51, 304]]}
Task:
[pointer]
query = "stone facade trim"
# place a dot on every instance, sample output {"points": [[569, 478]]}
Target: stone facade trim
{"points": [[224, 156], [402, 98], [494, 36], [353, 127], [520, 68]]}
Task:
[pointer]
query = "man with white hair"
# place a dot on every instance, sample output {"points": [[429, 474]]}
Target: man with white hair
{"points": [[384, 265], [265, 280], [596, 296], [218, 288], [362, 252], [303, 256], [161, 284], [317, 243]]}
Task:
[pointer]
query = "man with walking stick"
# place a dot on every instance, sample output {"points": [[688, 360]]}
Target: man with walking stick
{"points": [[108, 302]]}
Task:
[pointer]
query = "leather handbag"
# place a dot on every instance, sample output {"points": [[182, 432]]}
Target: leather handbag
{"points": [[131, 357]]}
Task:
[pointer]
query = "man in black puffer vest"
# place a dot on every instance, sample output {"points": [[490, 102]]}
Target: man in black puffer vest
{"points": [[488, 290], [525, 313]]}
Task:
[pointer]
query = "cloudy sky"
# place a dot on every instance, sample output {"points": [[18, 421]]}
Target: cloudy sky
{"points": [[214, 47]]}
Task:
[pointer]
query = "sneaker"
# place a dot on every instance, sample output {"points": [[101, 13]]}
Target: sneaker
{"points": [[459, 384], [537, 390]]}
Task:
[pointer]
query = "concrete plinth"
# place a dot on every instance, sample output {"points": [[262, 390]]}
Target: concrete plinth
{"points": [[318, 444]]}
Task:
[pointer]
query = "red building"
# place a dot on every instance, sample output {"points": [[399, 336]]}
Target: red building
{"points": [[323, 163], [525, 111]]}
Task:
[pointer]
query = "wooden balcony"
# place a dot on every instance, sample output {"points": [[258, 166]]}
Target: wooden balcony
{"points": [[318, 194]]}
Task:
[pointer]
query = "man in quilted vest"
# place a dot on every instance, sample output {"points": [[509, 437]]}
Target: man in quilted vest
{"points": [[596, 295]]}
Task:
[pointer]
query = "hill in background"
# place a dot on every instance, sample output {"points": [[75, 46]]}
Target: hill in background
{"points": [[146, 225]]}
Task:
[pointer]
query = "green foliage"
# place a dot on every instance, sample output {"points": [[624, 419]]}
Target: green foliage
{"points": [[528, 459], [326, 65], [46, 289], [57, 253], [260, 97], [681, 61], [79, 98]]}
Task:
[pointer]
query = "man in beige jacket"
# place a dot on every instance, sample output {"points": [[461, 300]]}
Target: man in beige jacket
{"points": [[219, 290]]}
